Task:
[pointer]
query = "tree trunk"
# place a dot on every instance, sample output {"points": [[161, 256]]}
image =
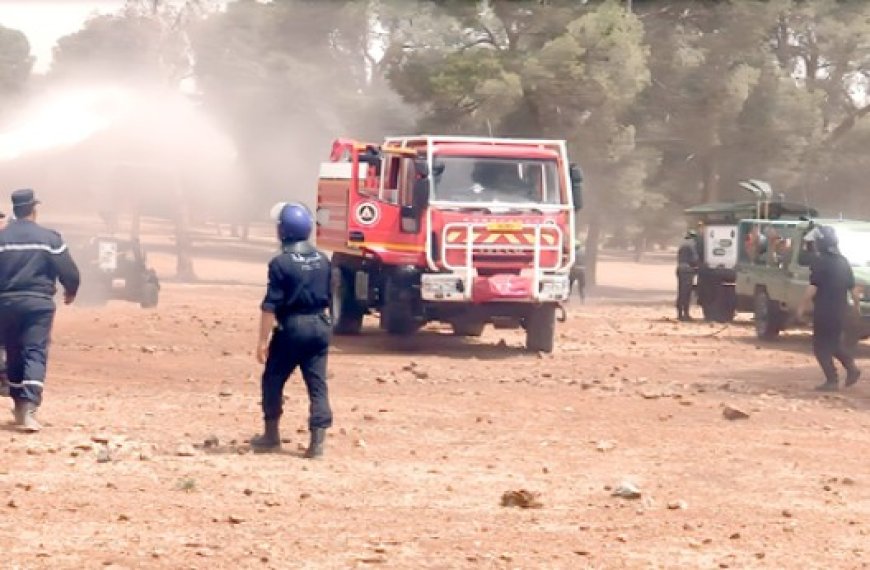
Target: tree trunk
{"points": [[639, 246], [710, 188], [183, 243], [593, 236], [184, 250], [135, 221]]}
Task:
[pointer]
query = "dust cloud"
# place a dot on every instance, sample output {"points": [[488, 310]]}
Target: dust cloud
{"points": [[95, 148], [190, 153]]}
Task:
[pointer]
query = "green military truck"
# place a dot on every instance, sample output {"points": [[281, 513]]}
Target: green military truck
{"points": [[717, 226], [773, 270]]}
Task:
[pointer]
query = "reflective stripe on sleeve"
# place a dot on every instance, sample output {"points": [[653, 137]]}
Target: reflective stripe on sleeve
{"points": [[32, 247]]}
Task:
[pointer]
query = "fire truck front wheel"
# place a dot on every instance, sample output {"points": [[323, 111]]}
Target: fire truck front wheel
{"points": [[346, 311], [397, 313], [541, 329]]}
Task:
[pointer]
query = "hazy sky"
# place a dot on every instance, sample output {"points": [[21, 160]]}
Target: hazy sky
{"points": [[45, 21]]}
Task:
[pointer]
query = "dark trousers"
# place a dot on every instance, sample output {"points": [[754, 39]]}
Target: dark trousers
{"points": [[25, 330], [4, 386], [828, 344], [579, 277], [299, 342], [684, 291]]}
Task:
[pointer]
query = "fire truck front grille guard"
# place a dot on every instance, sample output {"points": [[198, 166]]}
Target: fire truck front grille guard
{"points": [[469, 248]]}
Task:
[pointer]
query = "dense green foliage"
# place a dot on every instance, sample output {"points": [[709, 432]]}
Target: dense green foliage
{"points": [[665, 105], [15, 62]]}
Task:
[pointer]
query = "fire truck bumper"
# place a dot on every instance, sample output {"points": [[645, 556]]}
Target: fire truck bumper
{"points": [[517, 288]]}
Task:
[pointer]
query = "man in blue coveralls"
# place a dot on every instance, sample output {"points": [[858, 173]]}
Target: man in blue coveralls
{"points": [[32, 260], [295, 328]]}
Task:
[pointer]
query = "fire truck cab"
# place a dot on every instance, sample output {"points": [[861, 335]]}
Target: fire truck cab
{"points": [[463, 230]]}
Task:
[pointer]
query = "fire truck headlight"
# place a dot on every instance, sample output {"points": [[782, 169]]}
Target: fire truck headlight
{"points": [[555, 288]]}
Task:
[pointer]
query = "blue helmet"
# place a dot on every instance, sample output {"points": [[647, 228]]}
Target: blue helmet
{"points": [[294, 221]]}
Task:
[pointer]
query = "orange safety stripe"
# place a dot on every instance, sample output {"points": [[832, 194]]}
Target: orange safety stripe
{"points": [[377, 245], [458, 236]]}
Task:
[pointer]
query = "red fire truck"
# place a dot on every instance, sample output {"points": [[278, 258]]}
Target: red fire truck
{"points": [[463, 230]]}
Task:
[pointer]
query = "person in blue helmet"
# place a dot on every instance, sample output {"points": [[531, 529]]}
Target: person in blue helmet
{"points": [[831, 283], [295, 328]]}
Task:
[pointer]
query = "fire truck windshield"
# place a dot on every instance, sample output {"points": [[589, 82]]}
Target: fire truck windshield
{"points": [[496, 180]]}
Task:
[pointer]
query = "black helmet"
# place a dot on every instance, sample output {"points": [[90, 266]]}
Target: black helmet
{"points": [[826, 239], [691, 234]]}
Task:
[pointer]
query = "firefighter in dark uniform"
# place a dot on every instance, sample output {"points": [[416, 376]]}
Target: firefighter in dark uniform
{"points": [[687, 266], [32, 260], [295, 328], [4, 385], [831, 283]]}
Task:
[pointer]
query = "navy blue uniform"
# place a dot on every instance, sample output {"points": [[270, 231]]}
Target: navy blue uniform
{"points": [[32, 260], [4, 387], [833, 277], [299, 296]]}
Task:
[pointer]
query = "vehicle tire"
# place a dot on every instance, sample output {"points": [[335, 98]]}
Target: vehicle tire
{"points": [[727, 302], [150, 294], [468, 328], [541, 329], [347, 313], [709, 312], [768, 319], [397, 313], [720, 304]]}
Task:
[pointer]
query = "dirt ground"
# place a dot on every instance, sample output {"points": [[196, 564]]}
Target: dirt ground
{"points": [[143, 463]]}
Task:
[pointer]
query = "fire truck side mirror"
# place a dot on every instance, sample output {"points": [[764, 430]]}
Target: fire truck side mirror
{"points": [[576, 185]]}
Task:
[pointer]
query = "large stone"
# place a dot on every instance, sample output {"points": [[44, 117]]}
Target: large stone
{"points": [[627, 490], [731, 413]]}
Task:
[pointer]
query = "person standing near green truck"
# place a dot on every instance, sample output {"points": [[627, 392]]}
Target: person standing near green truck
{"points": [[687, 267], [831, 282]]}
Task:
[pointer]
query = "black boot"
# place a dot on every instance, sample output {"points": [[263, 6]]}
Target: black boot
{"points": [[25, 416], [315, 446], [270, 440], [828, 386]]}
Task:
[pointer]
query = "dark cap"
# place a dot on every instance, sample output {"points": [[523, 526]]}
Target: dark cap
{"points": [[24, 198]]}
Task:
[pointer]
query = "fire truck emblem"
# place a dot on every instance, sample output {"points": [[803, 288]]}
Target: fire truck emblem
{"points": [[367, 213]]}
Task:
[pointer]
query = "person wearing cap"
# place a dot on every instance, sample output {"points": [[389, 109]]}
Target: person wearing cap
{"points": [[831, 283], [295, 328], [32, 260], [687, 266]]}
